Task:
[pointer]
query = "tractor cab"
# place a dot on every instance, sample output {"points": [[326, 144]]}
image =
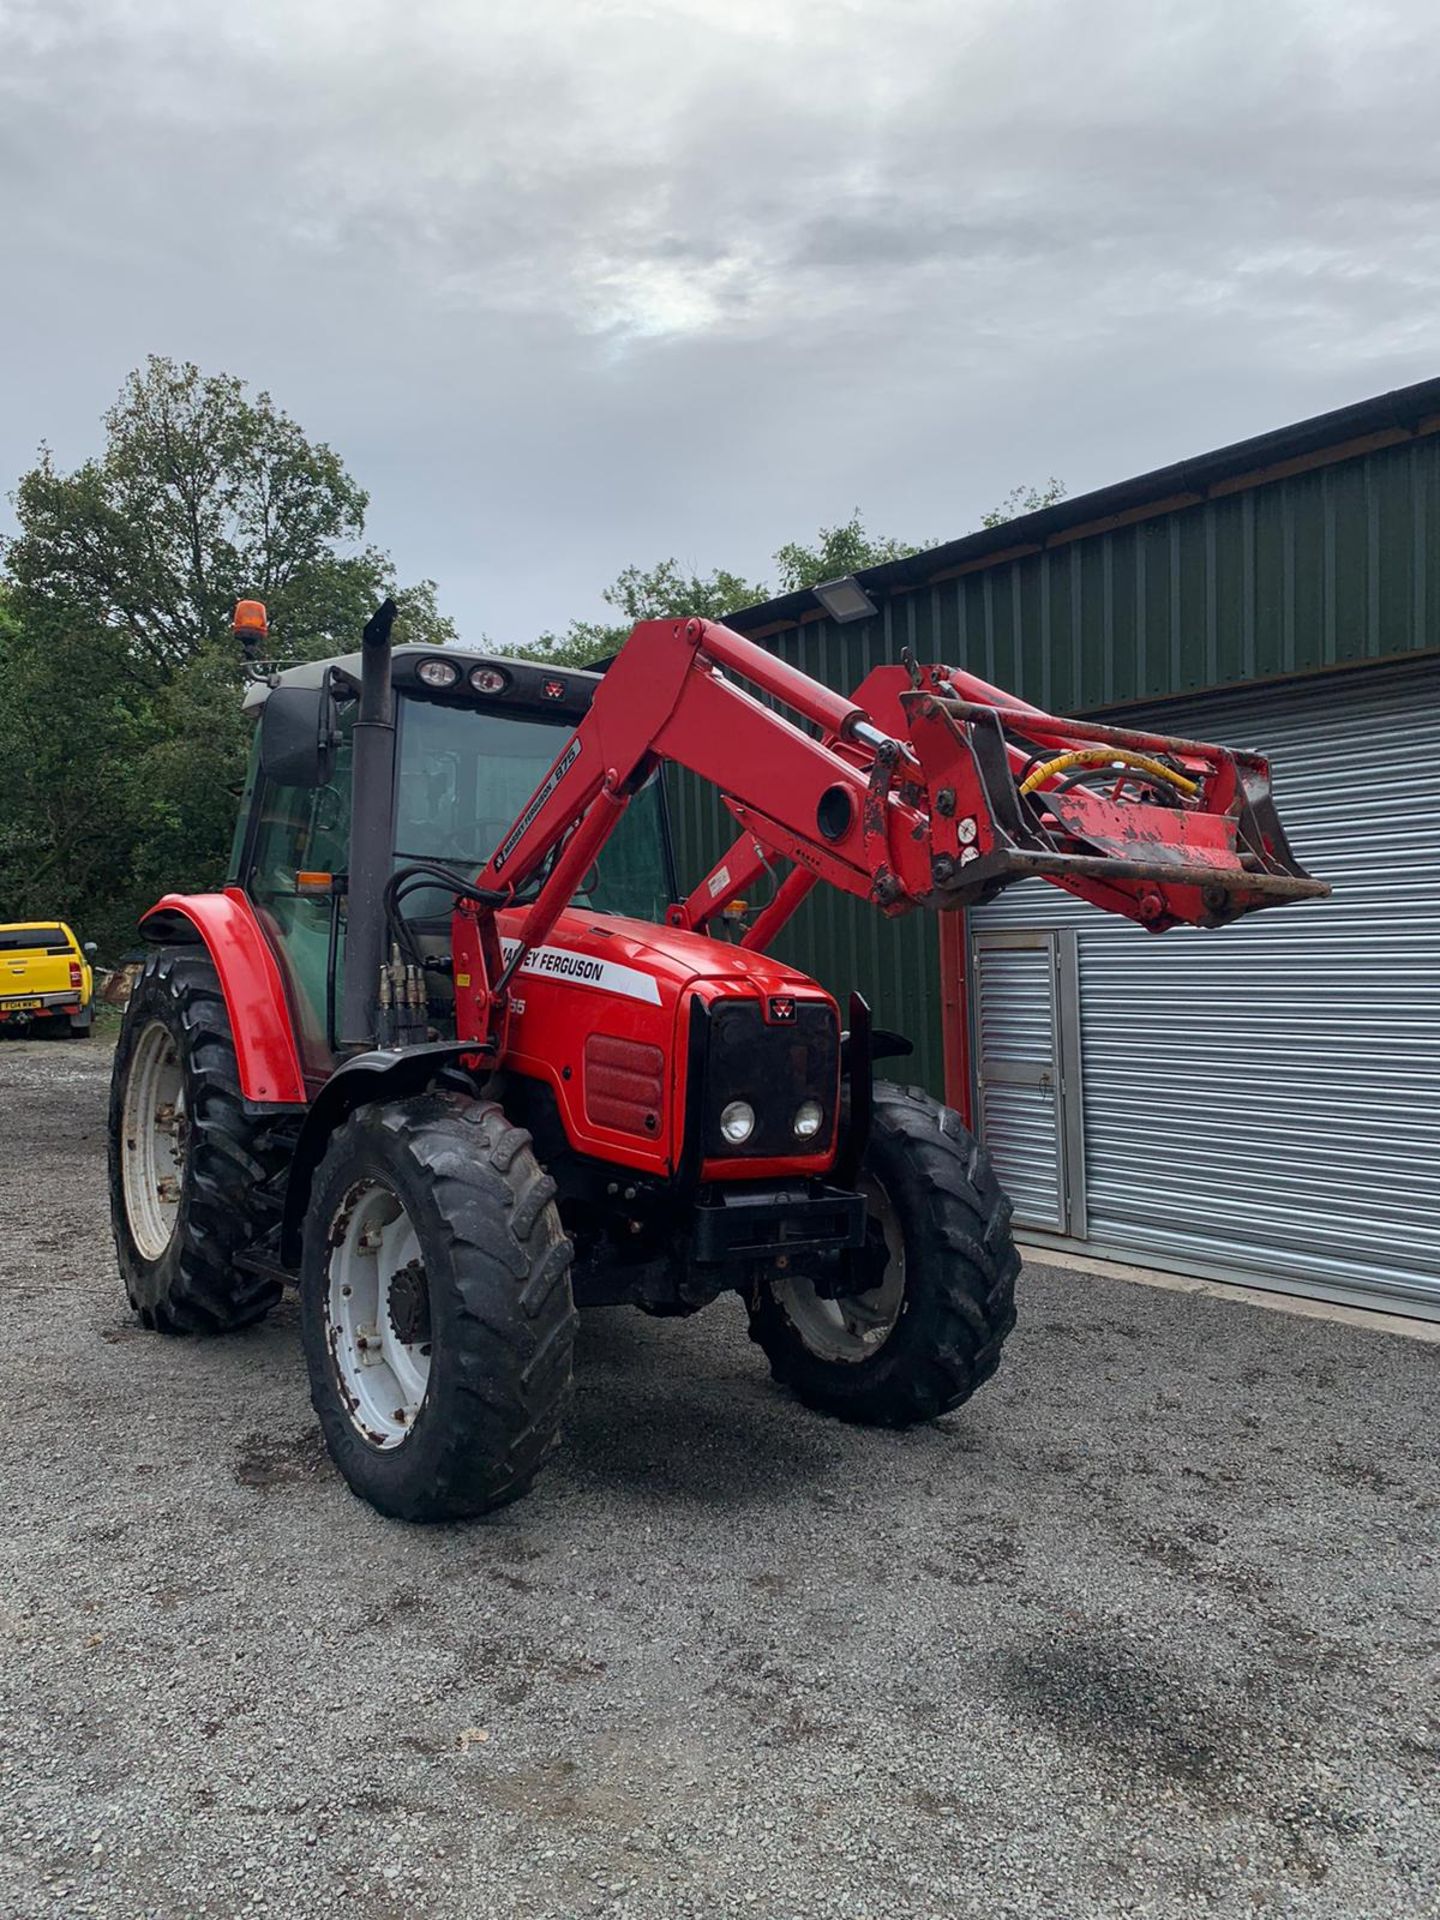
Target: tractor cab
{"points": [[473, 736]]}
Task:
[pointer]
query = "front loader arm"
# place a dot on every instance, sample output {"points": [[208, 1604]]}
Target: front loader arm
{"points": [[927, 788]]}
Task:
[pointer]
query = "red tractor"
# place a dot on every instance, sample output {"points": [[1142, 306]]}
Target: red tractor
{"points": [[454, 1050]]}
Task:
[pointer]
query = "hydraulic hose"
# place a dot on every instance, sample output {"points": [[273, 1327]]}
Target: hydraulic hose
{"points": [[1107, 757]]}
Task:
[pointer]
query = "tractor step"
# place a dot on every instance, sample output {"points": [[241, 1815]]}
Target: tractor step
{"points": [[265, 1261]]}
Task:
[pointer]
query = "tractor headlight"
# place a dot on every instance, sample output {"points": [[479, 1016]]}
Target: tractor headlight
{"points": [[737, 1122], [809, 1118], [437, 673], [488, 680]]}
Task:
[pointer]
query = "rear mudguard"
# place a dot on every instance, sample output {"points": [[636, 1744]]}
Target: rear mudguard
{"points": [[260, 1022]]}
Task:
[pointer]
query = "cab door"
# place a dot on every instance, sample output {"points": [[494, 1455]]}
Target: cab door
{"points": [[297, 830]]}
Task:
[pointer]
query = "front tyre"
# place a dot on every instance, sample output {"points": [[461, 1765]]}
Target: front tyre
{"points": [[192, 1174], [919, 1327], [436, 1307]]}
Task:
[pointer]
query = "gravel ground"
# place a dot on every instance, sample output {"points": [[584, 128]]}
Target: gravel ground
{"points": [[1150, 1628]]}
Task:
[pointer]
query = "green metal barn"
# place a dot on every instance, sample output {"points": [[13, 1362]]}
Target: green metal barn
{"points": [[1261, 1104]]}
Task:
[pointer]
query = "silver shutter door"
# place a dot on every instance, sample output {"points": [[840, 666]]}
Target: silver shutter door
{"points": [[1266, 1099], [1016, 1030]]}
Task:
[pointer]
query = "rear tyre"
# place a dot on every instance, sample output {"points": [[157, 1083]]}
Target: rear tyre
{"points": [[436, 1307], [928, 1329], [191, 1171]]}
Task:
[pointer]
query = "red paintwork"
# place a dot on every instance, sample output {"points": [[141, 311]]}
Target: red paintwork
{"points": [[254, 992], [955, 1015], [554, 1015]]}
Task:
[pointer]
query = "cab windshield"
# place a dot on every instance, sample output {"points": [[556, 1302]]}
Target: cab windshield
{"points": [[463, 779]]}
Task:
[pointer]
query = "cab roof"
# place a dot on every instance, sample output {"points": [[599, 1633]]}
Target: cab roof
{"points": [[529, 683]]}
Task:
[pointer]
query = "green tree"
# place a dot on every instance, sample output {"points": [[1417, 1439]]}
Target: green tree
{"points": [[665, 589], [836, 552], [72, 732], [1024, 500], [121, 735], [203, 496], [652, 593], [647, 593]]}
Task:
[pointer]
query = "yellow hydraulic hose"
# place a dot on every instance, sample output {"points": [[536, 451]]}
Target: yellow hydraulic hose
{"points": [[1107, 757]]}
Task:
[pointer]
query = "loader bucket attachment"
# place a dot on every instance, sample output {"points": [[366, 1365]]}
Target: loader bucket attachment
{"points": [[1166, 830]]}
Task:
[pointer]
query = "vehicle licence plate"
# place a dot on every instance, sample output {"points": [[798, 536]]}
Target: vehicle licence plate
{"points": [[18, 1006]]}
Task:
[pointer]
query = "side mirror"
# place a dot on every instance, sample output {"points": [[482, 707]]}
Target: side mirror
{"points": [[90, 947], [297, 736]]}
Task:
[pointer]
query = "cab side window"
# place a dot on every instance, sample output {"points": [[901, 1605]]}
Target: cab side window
{"points": [[304, 830]]}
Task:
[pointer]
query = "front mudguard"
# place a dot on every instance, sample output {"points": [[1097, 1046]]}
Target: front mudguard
{"points": [[386, 1073]]}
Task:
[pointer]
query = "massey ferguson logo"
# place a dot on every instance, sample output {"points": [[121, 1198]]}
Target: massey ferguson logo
{"points": [[782, 1009]]}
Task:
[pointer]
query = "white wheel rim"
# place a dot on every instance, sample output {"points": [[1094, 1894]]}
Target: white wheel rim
{"points": [[155, 1131], [373, 1276], [854, 1326]]}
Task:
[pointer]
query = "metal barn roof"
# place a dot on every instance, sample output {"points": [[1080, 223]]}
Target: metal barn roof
{"points": [[1389, 420]]}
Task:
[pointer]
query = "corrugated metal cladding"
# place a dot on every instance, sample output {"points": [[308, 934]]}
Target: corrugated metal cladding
{"points": [[1267, 1098], [1329, 567]]}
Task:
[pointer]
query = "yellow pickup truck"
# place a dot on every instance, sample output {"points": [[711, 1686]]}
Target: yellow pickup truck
{"points": [[45, 977]]}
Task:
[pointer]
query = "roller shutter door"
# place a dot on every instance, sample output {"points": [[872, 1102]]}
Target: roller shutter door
{"points": [[1266, 1100], [1017, 1051]]}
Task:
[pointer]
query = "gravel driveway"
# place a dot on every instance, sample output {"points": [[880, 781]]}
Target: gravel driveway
{"points": [[1150, 1628]]}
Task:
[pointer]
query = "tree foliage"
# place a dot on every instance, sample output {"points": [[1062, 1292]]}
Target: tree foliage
{"points": [[201, 497], [836, 552], [665, 589], [1024, 500], [648, 593], [121, 737]]}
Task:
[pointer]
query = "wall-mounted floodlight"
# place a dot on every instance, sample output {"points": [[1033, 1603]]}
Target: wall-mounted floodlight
{"points": [[845, 599]]}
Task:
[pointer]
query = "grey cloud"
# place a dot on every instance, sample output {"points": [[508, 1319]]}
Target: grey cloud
{"points": [[571, 285]]}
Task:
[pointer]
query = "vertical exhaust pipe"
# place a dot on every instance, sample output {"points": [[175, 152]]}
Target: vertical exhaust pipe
{"points": [[372, 815]]}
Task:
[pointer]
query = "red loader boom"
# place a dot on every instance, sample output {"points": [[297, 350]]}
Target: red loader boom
{"points": [[927, 788]]}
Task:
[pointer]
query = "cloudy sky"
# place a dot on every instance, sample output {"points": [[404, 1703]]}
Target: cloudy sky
{"points": [[575, 283]]}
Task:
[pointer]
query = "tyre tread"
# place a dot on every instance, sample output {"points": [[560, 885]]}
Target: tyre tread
{"points": [[196, 1287], [502, 1253], [952, 1333]]}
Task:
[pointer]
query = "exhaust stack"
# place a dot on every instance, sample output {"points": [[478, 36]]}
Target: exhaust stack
{"points": [[372, 813]]}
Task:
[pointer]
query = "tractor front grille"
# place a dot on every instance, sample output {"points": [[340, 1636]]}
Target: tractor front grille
{"points": [[775, 1064]]}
